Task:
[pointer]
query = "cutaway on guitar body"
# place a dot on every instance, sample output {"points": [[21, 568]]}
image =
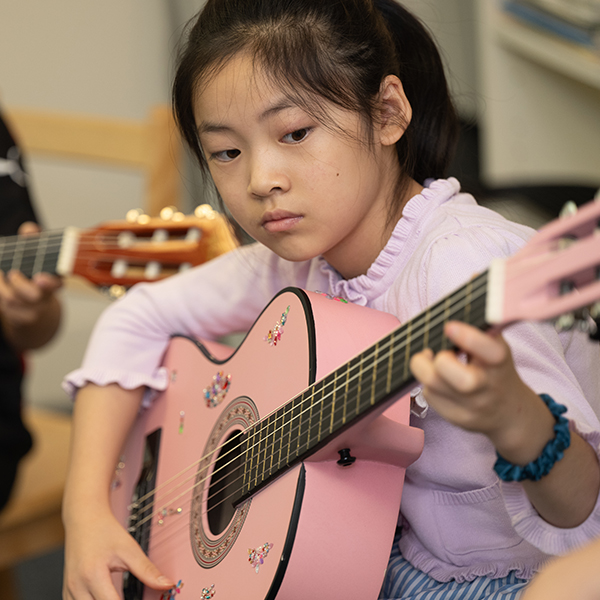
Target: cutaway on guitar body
{"points": [[250, 500]]}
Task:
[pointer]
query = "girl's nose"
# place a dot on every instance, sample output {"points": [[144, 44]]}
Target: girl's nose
{"points": [[267, 177]]}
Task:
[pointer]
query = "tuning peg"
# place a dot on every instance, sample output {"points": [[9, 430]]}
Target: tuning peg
{"points": [[564, 322], [152, 270], [160, 235], [133, 215], [116, 291], [167, 212], [568, 209], [205, 211]]}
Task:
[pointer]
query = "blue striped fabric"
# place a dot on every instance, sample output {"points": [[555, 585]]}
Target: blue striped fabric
{"points": [[404, 582]]}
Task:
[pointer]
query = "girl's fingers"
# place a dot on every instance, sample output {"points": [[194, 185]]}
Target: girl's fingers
{"points": [[444, 373], [456, 375], [477, 344], [145, 570]]}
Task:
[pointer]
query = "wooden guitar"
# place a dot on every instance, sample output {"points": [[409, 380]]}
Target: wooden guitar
{"points": [[121, 252], [276, 472]]}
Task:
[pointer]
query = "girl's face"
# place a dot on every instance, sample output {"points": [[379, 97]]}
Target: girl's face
{"points": [[297, 186]]}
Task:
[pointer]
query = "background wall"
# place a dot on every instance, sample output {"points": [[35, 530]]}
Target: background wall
{"points": [[110, 58]]}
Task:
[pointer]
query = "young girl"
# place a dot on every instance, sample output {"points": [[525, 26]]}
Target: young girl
{"points": [[325, 126]]}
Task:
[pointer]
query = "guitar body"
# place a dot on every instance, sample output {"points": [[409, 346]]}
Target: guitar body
{"points": [[317, 530]]}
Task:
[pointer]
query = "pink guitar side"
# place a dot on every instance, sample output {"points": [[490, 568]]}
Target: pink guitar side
{"points": [[276, 472], [319, 527]]}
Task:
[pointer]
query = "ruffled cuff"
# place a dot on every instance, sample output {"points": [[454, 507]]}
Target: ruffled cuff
{"points": [[155, 383], [541, 534]]}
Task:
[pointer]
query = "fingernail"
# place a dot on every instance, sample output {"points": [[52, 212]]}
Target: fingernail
{"points": [[162, 580]]}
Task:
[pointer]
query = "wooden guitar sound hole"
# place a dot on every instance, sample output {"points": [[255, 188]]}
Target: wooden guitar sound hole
{"points": [[225, 482]]}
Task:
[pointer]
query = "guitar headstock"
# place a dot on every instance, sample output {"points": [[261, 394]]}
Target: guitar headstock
{"points": [[142, 248], [556, 275]]}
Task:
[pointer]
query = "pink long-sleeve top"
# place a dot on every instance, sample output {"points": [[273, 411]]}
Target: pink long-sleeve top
{"points": [[459, 521]]}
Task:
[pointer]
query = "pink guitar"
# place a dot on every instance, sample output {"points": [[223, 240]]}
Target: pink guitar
{"points": [[276, 472]]}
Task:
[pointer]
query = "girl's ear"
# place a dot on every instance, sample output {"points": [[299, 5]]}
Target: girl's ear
{"points": [[395, 111]]}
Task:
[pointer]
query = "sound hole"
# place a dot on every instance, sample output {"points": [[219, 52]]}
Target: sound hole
{"points": [[225, 482]]}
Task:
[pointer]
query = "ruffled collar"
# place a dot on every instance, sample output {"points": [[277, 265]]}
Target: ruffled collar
{"points": [[363, 289]]}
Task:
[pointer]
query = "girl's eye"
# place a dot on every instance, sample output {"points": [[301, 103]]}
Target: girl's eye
{"points": [[297, 136], [226, 155]]}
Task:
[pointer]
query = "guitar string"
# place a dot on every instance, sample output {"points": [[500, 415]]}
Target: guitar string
{"points": [[296, 418], [417, 323], [365, 358], [204, 512], [12, 242], [27, 247]]}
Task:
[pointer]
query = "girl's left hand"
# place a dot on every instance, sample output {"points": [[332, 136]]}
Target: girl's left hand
{"points": [[482, 394]]}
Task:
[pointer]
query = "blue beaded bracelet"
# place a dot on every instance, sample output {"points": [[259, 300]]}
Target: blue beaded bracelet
{"points": [[552, 452]]}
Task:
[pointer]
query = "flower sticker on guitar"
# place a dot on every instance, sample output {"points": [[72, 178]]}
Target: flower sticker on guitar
{"points": [[256, 556], [215, 393], [208, 593], [275, 334], [170, 594]]}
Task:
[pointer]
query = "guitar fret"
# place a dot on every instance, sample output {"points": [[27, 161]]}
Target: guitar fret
{"points": [[286, 433], [18, 255], [353, 389], [277, 437], [40, 254], [295, 424], [390, 364], [407, 351], [359, 386], [346, 394], [320, 412], [244, 455], [303, 425], [374, 375], [252, 451], [309, 414], [267, 449], [426, 328], [326, 406], [444, 344]]}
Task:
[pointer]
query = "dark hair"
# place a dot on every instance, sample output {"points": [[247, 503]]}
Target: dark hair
{"points": [[340, 50]]}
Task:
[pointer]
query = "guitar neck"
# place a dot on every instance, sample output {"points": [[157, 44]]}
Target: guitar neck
{"points": [[338, 401], [48, 252]]}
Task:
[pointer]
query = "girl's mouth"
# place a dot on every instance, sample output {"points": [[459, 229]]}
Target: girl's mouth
{"points": [[280, 220]]}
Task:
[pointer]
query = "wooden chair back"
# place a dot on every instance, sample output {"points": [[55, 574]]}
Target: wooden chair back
{"points": [[152, 145]]}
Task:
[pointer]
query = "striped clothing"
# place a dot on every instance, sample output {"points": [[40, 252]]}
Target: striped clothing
{"points": [[404, 582]]}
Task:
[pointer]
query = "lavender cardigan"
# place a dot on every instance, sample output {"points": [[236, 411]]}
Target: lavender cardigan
{"points": [[459, 521]]}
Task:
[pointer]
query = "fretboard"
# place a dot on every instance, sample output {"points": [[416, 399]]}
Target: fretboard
{"points": [[31, 254], [322, 411]]}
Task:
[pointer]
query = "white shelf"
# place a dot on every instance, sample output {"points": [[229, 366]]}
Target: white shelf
{"points": [[566, 58], [539, 108]]}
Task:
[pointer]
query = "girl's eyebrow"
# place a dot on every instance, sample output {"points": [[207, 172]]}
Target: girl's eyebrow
{"points": [[208, 127]]}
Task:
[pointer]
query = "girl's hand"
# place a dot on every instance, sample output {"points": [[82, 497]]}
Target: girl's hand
{"points": [[95, 549], [484, 393]]}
